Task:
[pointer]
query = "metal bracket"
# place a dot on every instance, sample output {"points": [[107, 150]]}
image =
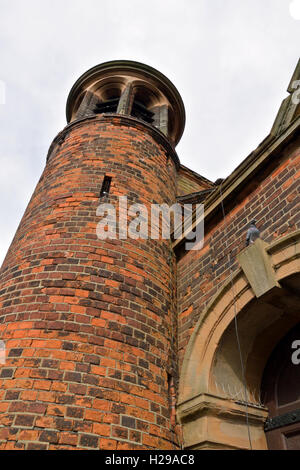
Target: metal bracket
{"points": [[282, 420]]}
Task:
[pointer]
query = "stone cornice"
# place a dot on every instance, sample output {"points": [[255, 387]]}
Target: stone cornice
{"points": [[208, 404]]}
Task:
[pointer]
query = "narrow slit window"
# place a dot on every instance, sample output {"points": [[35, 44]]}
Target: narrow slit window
{"points": [[105, 186]]}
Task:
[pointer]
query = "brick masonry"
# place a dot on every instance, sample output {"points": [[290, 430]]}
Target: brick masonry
{"points": [[89, 325], [272, 198]]}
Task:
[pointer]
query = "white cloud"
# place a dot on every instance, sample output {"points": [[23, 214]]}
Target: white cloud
{"points": [[295, 9], [2, 92]]}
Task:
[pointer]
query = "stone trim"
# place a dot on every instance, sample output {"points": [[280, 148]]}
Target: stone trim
{"points": [[161, 118], [209, 421], [128, 68]]}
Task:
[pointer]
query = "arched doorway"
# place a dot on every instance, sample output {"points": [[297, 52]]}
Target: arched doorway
{"points": [[263, 296], [281, 394]]}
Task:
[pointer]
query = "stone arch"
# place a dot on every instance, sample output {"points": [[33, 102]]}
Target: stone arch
{"points": [[108, 88], [148, 94], [263, 297], [99, 91], [156, 103]]}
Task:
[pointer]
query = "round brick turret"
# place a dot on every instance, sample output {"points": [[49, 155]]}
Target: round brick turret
{"points": [[89, 325]]}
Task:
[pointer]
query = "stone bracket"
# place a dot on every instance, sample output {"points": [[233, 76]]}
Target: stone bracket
{"points": [[289, 108], [207, 404], [257, 267]]}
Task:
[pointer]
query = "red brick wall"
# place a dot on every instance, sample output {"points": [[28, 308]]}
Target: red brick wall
{"points": [[90, 325], [272, 198]]}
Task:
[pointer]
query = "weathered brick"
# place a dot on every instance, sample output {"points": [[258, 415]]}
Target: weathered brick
{"points": [[24, 420], [49, 436], [87, 440]]}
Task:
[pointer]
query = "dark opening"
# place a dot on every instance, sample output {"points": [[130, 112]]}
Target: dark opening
{"points": [[141, 112], [105, 186], [109, 106], [170, 384]]}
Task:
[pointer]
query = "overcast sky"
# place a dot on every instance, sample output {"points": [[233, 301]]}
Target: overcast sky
{"points": [[231, 61]]}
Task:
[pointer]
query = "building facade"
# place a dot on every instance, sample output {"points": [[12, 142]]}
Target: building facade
{"points": [[124, 343]]}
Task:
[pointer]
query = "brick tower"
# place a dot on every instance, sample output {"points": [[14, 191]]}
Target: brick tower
{"points": [[89, 325]]}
